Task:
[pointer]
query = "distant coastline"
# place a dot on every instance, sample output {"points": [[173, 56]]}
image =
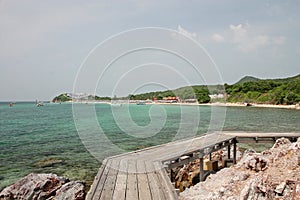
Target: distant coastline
{"points": [[249, 91], [227, 104]]}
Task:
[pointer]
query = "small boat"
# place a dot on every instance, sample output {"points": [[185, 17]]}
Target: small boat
{"points": [[39, 104], [140, 103], [11, 104]]}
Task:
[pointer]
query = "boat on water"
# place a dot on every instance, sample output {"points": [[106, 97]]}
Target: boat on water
{"points": [[140, 103], [38, 103], [11, 104]]}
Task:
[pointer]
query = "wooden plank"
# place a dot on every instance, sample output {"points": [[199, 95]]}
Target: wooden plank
{"points": [[143, 183], [109, 185], [168, 189], [266, 135], [255, 140], [157, 192], [132, 186], [121, 182], [101, 181], [94, 186]]}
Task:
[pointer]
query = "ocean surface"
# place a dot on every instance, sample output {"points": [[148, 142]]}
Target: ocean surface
{"points": [[70, 142]]}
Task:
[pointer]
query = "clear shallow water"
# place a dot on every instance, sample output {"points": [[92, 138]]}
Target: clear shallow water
{"points": [[31, 134]]}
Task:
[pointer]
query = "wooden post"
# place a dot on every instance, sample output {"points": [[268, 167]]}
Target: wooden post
{"points": [[201, 170], [234, 151], [228, 151]]}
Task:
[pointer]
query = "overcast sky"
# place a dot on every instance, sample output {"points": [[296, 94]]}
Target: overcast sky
{"points": [[44, 43]]}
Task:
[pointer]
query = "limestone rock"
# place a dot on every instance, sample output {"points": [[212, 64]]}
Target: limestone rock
{"points": [[254, 161], [72, 190], [272, 174], [43, 186], [279, 189], [280, 142]]}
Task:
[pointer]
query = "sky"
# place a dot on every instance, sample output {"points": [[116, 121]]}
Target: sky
{"points": [[52, 47]]}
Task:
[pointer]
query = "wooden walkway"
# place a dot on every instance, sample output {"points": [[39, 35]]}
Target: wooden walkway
{"points": [[141, 175]]}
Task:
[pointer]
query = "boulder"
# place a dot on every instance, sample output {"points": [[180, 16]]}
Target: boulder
{"points": [[43, 186], [280, 142], [72, 190], [254, 161], [280, 188]]}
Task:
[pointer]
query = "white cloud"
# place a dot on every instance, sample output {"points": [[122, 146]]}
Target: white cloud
{"points": [[218, 38], [186, 33], [248, 39]]}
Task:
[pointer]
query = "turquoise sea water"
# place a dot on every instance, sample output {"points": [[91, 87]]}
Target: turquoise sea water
{"points": [[30, 135]]}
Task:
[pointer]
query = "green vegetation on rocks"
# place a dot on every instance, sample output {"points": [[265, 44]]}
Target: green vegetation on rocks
{"points": [[62, 98], [67, 97]]}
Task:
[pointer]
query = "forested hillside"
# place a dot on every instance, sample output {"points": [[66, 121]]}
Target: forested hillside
{"points": [[270, 91], [248, 89], [199, 92]]}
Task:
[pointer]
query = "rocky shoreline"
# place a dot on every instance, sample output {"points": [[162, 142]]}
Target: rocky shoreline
{"points": [[44, 186], [272, 174]]}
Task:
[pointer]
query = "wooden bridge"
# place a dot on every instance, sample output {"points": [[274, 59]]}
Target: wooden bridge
{"points": [[142, 175]]}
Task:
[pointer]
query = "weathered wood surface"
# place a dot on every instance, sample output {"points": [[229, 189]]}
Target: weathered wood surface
{"points": [[244, 137], [141, 174], [261, 135]]}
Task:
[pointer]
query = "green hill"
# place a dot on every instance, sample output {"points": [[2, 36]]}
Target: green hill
{"points": [[62, 98], [69, 97], [199, 92], [270, 91], [248, 89], [247, 79]]}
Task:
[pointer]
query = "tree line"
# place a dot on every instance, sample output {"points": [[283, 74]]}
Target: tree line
{"points": [[271, 91]]}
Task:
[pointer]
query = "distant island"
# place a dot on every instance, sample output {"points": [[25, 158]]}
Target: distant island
{"points": [[69, 97], [248, 90]]}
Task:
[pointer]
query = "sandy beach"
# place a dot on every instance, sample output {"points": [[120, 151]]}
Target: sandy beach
{"points": [[296, 107]]}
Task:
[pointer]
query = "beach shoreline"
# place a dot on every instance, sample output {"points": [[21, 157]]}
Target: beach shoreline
{"points": [[227, 104]]}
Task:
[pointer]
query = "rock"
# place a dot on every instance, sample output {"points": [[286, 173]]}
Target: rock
{"points": [[43, 186], [249, 152], [256, 162], [49, 162], [245, 191], [297, 189], [72, 190], [280, 188], [34, 186], [281, 142], [272, 174]]}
